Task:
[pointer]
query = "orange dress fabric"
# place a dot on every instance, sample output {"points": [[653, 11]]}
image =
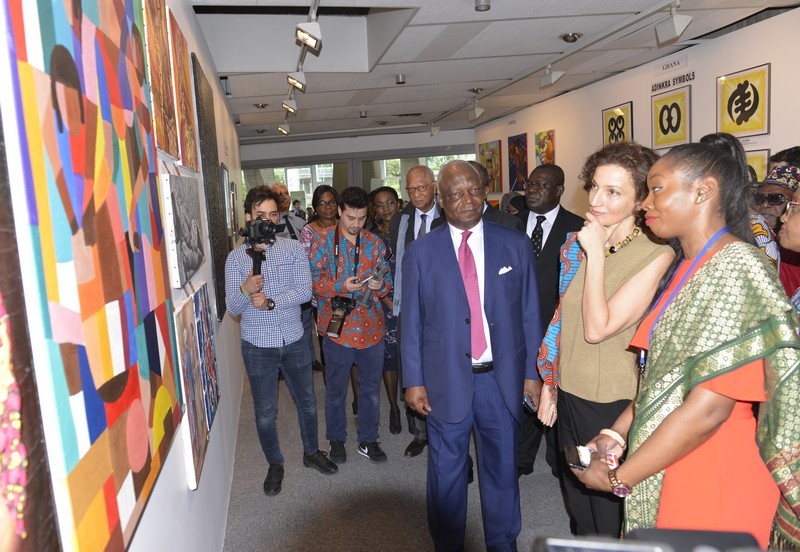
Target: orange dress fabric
{"points": [[723, 485]]}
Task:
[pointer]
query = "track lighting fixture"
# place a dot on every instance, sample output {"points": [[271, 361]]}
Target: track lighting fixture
{"points": [[290, 106], [298, 80], [309, 34], [475, 111], [670, 29], [284, 129], [550, 77], [433, 129], [483, 5]]}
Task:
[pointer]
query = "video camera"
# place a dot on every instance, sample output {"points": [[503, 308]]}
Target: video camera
{"points": [[257, 232]]}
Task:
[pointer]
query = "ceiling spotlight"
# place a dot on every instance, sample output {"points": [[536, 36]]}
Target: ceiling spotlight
{"points": [[550, 77], [475, 91], [290, 106], [362, 114], [226, 86], [400, 79], [298, 80], [475, 111], [309, 34], [670, 29], [284, 129], [383, 123], [571, 38], [483, 5], [434, 129], [261, 131], [260, 105]]}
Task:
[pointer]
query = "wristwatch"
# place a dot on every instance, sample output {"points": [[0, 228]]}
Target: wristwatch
{"points": [[270, 304], [619, 488]]}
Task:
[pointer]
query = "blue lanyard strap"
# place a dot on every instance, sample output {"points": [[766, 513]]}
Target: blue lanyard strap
{"points": [[685, 277]]}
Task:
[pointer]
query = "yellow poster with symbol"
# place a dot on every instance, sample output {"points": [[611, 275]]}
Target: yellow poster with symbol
{"points": [[743, 102], [671, 118], [618, 124]]}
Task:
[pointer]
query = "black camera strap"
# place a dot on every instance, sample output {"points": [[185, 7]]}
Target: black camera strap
{"points": [[289, 227], [356, 257]]}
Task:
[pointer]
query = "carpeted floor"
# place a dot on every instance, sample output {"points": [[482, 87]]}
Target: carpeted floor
{"points": [[363, 507]]}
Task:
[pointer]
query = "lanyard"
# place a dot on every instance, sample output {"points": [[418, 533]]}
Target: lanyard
{"points": [[685, 277], [336, 253]]}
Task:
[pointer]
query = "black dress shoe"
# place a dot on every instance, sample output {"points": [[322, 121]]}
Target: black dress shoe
{"points": [[524, 470], [272, 484], [415, 448], [394, 421], [319, 461], [317, 366], [470, 471]]}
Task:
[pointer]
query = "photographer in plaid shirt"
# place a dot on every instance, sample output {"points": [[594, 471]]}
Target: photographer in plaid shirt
{"points": [[343, 261], [272, 336]]}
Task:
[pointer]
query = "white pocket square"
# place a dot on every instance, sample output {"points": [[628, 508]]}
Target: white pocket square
{"points": [[504, 270]]}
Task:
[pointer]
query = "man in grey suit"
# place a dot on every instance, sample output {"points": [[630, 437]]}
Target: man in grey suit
{"points": [[547, 225], [413, 222]]}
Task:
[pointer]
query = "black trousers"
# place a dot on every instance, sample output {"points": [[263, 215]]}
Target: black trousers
{"points": [[530, 437], [579, 421]]}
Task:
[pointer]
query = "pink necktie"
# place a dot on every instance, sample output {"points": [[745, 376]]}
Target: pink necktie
{"points": [[466, 262]]}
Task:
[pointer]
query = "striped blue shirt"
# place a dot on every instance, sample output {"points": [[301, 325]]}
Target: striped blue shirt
{"points": [[287, 281]]}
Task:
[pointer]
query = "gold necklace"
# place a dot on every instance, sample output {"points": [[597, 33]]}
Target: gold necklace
{"points": [[614, 248]]}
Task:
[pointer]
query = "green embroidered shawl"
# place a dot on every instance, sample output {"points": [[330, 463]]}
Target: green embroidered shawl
{"points": [[731, 312]]}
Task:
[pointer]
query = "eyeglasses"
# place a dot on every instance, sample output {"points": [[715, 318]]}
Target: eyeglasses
{"points": [[771, 199], [790, 207], [323, 203], [386, 204], [417, 189]]}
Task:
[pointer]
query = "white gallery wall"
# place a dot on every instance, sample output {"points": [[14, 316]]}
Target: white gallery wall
{"points": [[576, 116]]}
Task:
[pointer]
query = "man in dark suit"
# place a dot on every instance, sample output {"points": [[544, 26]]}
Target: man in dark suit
{"points": [[547, 225], [413, 222], [471, 334], [489, 213]]}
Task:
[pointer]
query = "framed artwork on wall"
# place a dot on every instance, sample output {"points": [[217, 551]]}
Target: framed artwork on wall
{"points": [[183, 224], [160, 69], [545, 147], [759, 161], [183, 95], [743, 102], [517, 161], [671, 118], [618, 123], [489, 157]]}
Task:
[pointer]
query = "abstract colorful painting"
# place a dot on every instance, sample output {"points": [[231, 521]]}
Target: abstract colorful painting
{"points": [[216, 203], [183, 95], [97, 294], [208, 354], [546, 147], [489, 157], [161, 77], [671, 118], [618, 124], [743, 102], [517, 161]]}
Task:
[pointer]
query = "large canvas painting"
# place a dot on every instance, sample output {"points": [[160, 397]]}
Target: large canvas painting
{"points": [[184, 100], [27, 513], [216, 204], [489, 157], [517, 161], [88, 222], [184, 227], [161, 77]]}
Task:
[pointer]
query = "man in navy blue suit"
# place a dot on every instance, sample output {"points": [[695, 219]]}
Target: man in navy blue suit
{"points": [[470, 337]]}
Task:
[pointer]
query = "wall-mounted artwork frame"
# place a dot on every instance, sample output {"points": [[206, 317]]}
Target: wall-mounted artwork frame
{"points": [[743, 102], [489, 157], [183, 224], [184, 99], [618, 123], [759, 160], [517, 161], [160, 72], [671, 118], [545, 147]]}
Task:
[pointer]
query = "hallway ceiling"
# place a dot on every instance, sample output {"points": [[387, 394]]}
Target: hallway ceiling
{"points": [[444, 48]]}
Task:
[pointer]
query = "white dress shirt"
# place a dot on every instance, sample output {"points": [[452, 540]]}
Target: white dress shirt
{"points": [[475, 243], [418, 220], [547, 223]]}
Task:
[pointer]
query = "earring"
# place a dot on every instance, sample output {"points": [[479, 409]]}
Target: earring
{"points": [[699, 199]]}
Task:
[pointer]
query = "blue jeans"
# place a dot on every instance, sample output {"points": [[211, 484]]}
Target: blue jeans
{"points": [[262, 365], [338, 362]]}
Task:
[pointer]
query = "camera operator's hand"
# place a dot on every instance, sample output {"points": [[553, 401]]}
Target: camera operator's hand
{"points": [[352, 284], [259, 301], [253, 284], [375, 285]]}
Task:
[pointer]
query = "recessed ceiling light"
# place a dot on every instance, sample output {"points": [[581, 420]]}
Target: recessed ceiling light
{"points": [[260, 105], [261, 131], [383, 123], [475, 91], [570, 38]]}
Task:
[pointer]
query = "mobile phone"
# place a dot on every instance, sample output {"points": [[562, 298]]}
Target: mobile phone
{"points": [[527, 402], [578, 457]]}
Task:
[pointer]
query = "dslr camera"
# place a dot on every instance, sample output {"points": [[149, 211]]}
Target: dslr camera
{"points": [[260, 231], [341, 307]]}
